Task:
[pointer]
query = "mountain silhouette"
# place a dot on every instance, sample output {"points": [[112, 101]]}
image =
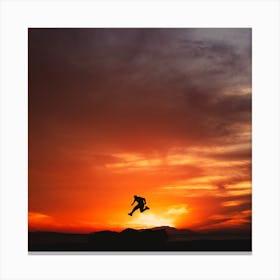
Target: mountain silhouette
{"points": [[129, 240], [162, 238]]}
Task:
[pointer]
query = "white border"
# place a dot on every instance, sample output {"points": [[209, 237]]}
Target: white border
{"points": [[17, 16]]}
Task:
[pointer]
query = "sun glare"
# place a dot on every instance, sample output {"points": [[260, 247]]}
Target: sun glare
{"points": [[150, 220]]}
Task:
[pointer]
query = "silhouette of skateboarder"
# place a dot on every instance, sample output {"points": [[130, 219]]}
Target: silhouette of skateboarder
{"points": [[141, 203]]}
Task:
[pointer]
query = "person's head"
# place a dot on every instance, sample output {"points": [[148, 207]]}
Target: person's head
{"points": [[135, 196]]}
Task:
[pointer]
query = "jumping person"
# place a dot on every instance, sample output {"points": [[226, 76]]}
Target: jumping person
{"points": [[141, 203]]}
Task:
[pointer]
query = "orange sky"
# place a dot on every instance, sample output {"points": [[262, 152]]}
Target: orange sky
{"points": [[161, 113]]}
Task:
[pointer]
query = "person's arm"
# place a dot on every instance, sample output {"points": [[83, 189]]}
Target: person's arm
{"points": [[144, 200], [133, 202]]}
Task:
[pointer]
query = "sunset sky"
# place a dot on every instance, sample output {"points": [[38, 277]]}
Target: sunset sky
{"points": [[161, 113]]}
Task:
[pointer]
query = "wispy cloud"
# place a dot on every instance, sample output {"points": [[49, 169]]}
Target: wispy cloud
{"points": [[177, 210]]}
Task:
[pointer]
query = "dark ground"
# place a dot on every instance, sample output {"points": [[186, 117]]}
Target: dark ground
{"points": [[157, 239]]}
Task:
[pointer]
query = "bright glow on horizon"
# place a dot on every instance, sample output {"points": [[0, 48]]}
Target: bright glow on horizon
{"points": [[150, 220]]}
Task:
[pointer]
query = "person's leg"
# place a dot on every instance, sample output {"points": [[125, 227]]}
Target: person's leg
{"points": [[133, 210], [142, 209]]}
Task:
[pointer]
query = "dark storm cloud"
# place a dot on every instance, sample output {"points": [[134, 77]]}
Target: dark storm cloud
{"points": [[163, 86], [238, 208], [240, 154]]}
